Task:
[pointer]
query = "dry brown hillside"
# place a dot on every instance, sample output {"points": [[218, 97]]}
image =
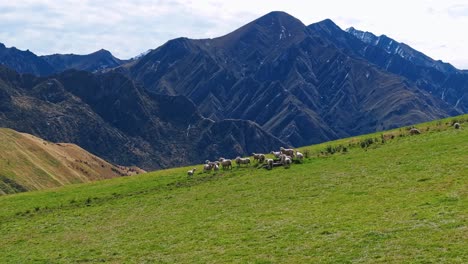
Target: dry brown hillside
{"points": [[31, 163]]}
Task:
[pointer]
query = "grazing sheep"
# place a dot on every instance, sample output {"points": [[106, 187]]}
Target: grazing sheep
{"points": [[269, 163], [262, 158], [276, 154], [289, 152], [414, 131], [216, 167], [240, 161], [299, 156], [211, 163], [191, 172], [207, 168], [259, 157], [226, 163], [457, 125], [285, 160]]}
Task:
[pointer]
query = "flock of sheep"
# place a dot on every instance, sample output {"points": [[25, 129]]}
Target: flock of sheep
{"points": [[284, 157]]}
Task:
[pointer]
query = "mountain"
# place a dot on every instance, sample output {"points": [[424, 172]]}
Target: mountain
{"points": [[28, 62], [440, 79], [293, 82], [24, 61], [111, 116], [400, 200], [31, 163], [93, 62]]}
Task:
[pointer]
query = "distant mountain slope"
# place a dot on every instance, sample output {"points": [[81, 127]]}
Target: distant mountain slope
{"points": [[293, 82], [31, 163], [28, 62], [112, 117], [93, 62], [440, 79], [24, 61]]}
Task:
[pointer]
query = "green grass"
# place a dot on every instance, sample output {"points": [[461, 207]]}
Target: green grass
{"points": [[402, 201]]}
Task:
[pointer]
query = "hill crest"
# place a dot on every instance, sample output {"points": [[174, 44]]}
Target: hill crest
{"points": [[31, 163]]}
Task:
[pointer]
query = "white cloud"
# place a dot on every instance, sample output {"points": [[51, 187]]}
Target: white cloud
{"points": [[129, 27]]}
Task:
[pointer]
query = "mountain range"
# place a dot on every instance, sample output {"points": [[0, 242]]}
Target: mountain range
{"points": [[272, 82], [294, 80], [116, 119], [28, 62]]}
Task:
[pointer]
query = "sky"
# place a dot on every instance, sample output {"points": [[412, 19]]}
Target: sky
{"points": [[128, 28]]}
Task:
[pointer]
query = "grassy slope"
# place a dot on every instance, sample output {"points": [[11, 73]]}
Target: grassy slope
{"points": [[30, 163], [404, 201]]}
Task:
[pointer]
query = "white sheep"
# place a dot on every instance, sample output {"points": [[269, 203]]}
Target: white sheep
{"points": [[226, 163], [207, 168], [299, 156], [216, 167], [259, 157], [269, 163], [191, 172], [276, 154], [414, 131], [289, 152], [285, 160], [240, 161]]}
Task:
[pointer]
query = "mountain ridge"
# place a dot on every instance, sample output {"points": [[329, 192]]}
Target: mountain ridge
{"points": [[440, 79], [263, 68], [46, 65], [116, 119]]}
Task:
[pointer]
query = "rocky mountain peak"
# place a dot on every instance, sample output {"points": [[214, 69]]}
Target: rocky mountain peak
{"points": [[102, 52], [279, 18], [364, 36], [328, 25]]}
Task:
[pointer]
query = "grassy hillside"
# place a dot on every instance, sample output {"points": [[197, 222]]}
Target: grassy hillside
{"points": [[30, 163], [401, 201]]}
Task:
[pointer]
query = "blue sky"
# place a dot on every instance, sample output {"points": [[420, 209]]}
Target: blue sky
{"points": [[127, 28]]}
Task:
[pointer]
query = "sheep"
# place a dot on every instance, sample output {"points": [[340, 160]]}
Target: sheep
{"points": [[191, 172], [211, 163], [289, 152], [276, 153], [240, 161], [216, 167], [207, 168], [299, 156], [259, 157], [414, 131], [269, 163], [262, 158], [226, 163], [457, 125], [285, 160]]}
